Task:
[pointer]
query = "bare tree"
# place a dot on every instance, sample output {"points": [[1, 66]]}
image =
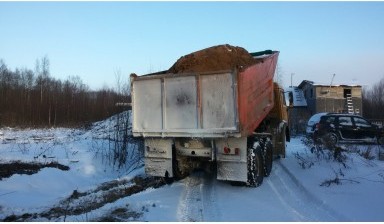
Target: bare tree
{"points": [[373, 101], [126, 149]]}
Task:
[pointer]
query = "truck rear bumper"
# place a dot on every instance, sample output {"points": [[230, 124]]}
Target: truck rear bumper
{"points": [[229, 153]]}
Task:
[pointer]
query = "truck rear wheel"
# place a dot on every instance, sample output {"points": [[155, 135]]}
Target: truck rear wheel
{"points": [[267, 156], [255, 165]]}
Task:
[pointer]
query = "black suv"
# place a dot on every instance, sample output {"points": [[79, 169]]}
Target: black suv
{"points": [[347, 127]]}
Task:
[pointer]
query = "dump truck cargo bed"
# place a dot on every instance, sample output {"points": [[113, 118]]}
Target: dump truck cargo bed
{"points": [[229, 103]]}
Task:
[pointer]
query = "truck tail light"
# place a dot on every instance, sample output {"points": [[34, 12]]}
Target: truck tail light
{"points": [[228, 150]]}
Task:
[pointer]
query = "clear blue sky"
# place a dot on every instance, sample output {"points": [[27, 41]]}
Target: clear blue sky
{"points": [[95, 39]]}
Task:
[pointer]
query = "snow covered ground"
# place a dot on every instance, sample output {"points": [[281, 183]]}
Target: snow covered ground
{"points": [[304, 186]]}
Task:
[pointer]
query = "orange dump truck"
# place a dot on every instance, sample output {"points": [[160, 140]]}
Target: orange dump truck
{"points": [[231, 121]]}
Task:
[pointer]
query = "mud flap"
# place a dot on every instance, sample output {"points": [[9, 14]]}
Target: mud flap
{"points": [[232, 171], [158, 157], [232, 165]]}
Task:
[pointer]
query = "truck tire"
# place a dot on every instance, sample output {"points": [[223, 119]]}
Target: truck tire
{"points": [[255, 165], [267, 156]]}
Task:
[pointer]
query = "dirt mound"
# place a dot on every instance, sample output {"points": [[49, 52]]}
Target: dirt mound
{"points": [[221, 57]]}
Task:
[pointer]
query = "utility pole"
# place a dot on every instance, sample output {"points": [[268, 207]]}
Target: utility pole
{"points": [[333, 76]]}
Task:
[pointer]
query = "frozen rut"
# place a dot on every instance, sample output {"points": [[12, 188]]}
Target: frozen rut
{"points": [[197, 201], [303, 205], [281, 197]]}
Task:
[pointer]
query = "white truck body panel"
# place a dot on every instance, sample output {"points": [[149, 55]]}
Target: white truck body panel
{"points": [[148, 99], [218, 102], [193, 105], [180, 103]]}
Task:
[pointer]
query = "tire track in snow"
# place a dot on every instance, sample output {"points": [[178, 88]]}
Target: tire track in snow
{"points": [[307, 205], [285, 195], [211, 213], [190, 207], [197, 202]]}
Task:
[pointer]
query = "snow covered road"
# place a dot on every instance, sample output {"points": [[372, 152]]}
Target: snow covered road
{"points": [[293, 192], [279, 198], [290, 193]]}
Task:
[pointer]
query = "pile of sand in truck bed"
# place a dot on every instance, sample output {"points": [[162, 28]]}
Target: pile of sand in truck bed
{"points": [[221, 57]]}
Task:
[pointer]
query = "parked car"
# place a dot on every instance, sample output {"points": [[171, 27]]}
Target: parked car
{"points": [[347, 127], [312, 122]]}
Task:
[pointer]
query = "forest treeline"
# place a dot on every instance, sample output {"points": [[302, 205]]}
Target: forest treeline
{"points": [[30, 98]]}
